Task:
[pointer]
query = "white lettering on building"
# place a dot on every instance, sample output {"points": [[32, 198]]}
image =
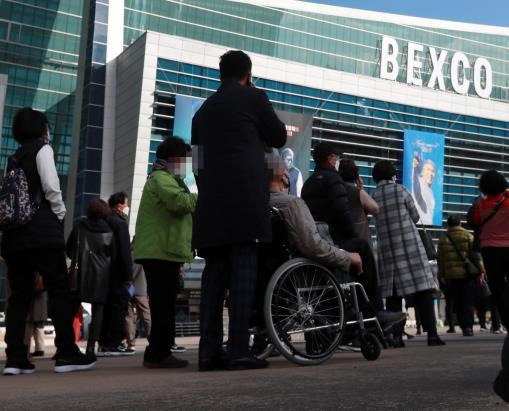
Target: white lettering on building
{"points": [[482, 71]]}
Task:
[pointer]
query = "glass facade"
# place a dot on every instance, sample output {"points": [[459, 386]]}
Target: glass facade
{"points": [[88, 177], [39, 49], [334, 42], [365, 130]]}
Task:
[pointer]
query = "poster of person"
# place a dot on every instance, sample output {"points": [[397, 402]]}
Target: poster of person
{"points": [[423, 173], [296, 152], [185, 109]]}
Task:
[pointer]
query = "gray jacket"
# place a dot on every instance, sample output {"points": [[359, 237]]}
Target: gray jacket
{"points": [[304, 234]]}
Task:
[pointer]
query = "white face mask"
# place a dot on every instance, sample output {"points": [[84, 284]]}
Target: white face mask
{"points": [[125, 211], [336, 166]]}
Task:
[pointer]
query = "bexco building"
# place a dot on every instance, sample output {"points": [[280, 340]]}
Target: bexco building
{"points": [[360, 79], [363, 78]]}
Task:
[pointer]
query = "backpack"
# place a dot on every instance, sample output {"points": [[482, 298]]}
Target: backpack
{"points": [[16, 208]]}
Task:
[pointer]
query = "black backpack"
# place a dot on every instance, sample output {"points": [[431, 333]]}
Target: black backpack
{"points": [[16, 207]]}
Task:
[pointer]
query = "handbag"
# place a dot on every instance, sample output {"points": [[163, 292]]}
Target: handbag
{"points": [[471, 269], [427, 242]]}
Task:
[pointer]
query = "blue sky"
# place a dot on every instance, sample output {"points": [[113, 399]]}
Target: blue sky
{"points": [[492, 12]]}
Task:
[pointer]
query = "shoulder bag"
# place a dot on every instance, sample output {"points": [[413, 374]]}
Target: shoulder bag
{"points": [[427, 242], [471, 269]]}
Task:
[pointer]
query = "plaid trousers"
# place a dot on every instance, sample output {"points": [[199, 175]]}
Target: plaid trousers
{"points": [[233, 268]]}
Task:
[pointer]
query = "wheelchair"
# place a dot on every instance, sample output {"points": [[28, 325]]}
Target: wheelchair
{"points": [[303, 310]]}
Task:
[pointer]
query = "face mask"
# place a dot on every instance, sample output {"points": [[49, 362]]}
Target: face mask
{"points": [[336, 166], [125, 211]]}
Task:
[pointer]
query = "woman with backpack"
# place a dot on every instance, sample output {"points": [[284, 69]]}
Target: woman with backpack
{"points": [[91, 248], [36, 244]]}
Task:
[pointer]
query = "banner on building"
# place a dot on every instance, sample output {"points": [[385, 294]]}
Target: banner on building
{"points": [[423, 173], [296, 152], [185, 109]]}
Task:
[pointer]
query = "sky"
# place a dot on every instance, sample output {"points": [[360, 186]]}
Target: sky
{"points": [[491, 12]]}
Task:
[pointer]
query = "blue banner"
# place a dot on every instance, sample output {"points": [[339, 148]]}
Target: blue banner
{"points": [[423, 173], [185, 109]]}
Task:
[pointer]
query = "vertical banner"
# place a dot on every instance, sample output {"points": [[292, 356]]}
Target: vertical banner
{"points": [[185, 109], [423, 173], [296, 152]]}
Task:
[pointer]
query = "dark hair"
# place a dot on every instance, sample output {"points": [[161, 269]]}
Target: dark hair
{"points": [[453, 220], [234, 64], [97, 209], [383, 170], [29, 124], [323, 150], [492, 183], [172, 147], [348, 170], [117, 198]]}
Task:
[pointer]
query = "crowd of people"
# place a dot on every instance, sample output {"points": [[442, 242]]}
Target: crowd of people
{"points": [[239, 178]]}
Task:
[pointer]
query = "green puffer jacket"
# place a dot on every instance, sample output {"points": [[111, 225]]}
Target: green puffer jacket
{"points": [[450, 265], [164, 224]]}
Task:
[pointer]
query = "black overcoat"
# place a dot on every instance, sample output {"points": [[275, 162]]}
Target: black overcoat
{"points": [[232, 130]]}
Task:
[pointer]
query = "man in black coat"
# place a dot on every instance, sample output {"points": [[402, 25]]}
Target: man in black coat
{"points": [[326, 196], [115, 311], [232, 131]]}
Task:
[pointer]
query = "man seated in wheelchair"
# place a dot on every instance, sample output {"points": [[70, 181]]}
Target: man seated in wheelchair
{"points": [[312, 240]]}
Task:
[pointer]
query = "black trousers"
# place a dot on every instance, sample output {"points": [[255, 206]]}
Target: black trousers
{"points": [[423, 303], [449, 305], [233, 268], [463, 295], [21, 269], [484, 304], [369, 277], [162, 280], [496, 262], [115, 311]]}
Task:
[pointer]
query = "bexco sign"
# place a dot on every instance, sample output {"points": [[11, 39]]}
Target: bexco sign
{"points": [[483, 74]]}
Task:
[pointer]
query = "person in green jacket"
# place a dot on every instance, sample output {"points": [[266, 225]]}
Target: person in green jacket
{"points": [[163, 244], [453, 276]]}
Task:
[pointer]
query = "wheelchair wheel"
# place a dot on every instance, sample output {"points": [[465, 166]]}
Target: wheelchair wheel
{"points": [[370, 347], [304, 311]]}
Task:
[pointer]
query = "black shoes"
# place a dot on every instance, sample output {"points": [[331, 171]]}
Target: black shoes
{"points": [[451, 330], [18, 367], [434, 341], [74, 362], [467, 332], [221, 364], [38, 353], [169, 362], [213, 364], [247, 363], [501, 385]]}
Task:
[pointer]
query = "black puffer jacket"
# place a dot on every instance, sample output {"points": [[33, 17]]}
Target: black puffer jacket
{"points": [[326, 196], [45, 231]]}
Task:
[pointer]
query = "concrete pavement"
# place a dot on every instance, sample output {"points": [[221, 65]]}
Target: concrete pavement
{"points": [[458, 376]]}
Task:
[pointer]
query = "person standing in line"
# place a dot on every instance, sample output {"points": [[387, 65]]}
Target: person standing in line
{"points": [[163, 244], [402, 262], [38, 246], [452, 273], [115, 311], [491, 220], [138, 305], [361, 204], [232, 131], [91, 246], [325, 194]]}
